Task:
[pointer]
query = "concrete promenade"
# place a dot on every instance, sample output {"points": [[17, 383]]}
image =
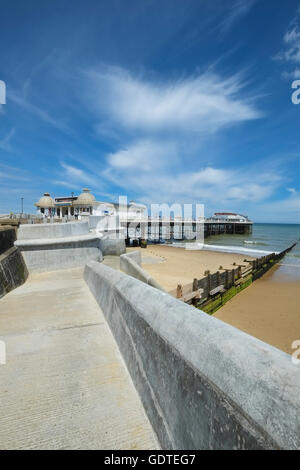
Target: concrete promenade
{"points": [[64, 385]]}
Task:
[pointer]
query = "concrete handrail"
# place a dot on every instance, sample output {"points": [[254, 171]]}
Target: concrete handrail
{"points": [[48, 247], [130, 263], [35, 242], [55, 230], [204, 384], [135, 256]]}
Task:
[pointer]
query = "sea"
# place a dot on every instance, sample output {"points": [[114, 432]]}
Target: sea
{"points": [[265, 239]]}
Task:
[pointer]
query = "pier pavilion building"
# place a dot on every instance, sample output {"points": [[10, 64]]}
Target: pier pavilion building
{"points": [[67, 206], [133, 218]]}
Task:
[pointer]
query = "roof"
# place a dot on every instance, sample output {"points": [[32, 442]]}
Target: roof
{"points": [[85, 199], [45, 201]]}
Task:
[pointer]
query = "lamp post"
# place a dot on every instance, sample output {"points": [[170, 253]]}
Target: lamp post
{"points": [[22, 200], [72, 207]]}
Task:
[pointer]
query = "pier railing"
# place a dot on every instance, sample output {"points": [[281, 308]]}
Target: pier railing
{"points": [[228, 221]]}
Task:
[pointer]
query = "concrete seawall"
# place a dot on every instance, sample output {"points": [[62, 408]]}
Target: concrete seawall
{"points": [[203, 383], [112, 241], [48, 247], [13, 271], [56, 230], [7, 238], [130, 263], [114, 246]]}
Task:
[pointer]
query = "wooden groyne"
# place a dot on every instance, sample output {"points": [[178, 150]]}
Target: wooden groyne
{"points": [[213, 290]]}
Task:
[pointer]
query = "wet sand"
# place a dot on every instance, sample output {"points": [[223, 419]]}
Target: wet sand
{"points": [[171, 266], [269, 309]]}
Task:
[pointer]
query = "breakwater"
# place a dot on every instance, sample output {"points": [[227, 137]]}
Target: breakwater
{"points": [[214, 290]]}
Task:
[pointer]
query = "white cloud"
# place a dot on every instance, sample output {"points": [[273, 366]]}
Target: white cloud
{"points": [[292, 190], [292, 36], [294, 74], [157, 121], [203, 103], [66, 184], [146, 154], [161, 183], [73, 177], [290, 54]]}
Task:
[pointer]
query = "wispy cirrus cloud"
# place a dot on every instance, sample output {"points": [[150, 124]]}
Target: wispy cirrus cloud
{"points": [[156, 122], [39, 112], [10, 173], [201, 103], [290, 53], [236, 10], [73, 177], [5, 142]]}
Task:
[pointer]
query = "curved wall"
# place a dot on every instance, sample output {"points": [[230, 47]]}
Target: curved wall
{"points": [[49, 247], [114, 247], [203, 383], [7, 238], [130, 263], [13, 271], [70, 229]]}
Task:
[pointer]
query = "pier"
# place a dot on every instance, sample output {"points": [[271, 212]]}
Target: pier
{"points": [[160, 229], [133, 218], [221, 227]]}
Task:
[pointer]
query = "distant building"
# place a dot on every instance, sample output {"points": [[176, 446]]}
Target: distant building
{"points": [[230, 216], [45, 205], [85, 204], [67, 206]]}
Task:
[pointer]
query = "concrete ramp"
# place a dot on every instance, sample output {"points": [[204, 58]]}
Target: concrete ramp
{"points": [[64, 385]]}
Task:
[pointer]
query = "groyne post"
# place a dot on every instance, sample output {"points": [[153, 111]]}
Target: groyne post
{"points": [[231, 281]]}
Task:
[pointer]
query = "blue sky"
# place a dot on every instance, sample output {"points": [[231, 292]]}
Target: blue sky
{"points": [[163, 101]]}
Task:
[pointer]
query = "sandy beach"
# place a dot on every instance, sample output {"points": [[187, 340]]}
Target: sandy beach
{"points": [[269, 310], [171, 266]]}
